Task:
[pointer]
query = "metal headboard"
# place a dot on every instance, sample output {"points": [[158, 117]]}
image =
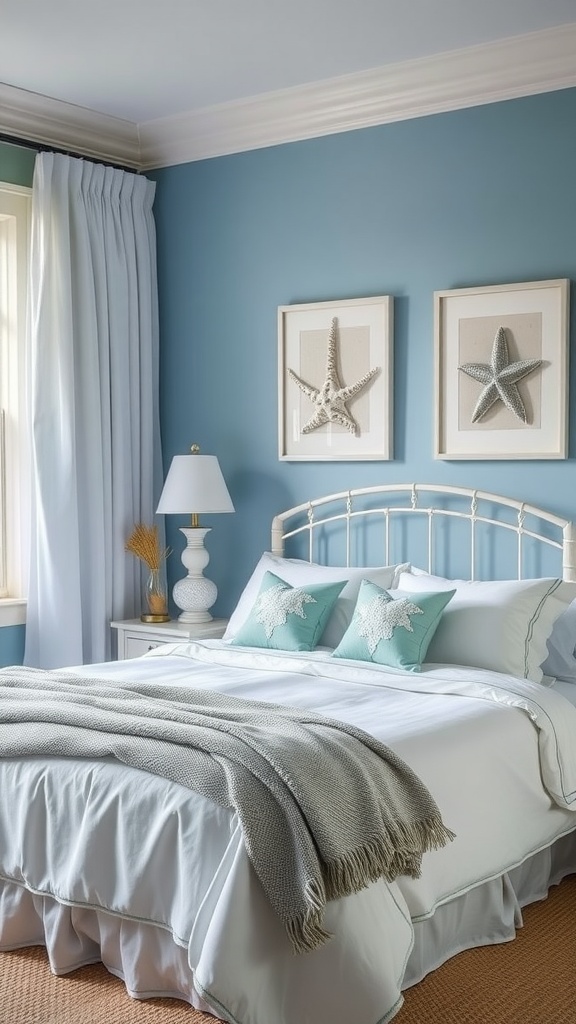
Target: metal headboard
{"points": [[435, 503]]}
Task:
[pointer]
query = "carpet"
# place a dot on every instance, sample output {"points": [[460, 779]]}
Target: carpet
{"points": [[531, 980]]}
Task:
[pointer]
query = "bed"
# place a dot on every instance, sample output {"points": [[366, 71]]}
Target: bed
{"points": [[101, 859]]}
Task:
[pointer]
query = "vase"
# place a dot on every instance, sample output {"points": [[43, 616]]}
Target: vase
{"points": [[156, 598]]}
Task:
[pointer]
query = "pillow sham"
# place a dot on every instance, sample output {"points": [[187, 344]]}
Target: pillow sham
{"points": [[300, 573], [501, 625], [394, 628], [286, 618], [560, 661]]}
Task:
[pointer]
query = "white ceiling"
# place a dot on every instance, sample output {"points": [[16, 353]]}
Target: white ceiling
{"points": [[151, 60], [146, 59]]}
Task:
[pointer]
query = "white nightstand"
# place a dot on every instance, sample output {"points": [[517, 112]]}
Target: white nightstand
{"points": [[136, 637]]}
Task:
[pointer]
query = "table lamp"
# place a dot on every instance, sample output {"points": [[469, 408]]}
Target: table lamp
{"points": [[194, 484]]}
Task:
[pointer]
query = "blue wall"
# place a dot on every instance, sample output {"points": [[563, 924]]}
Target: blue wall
{"points": [[16, 164], [12, 645], [474, 197]]}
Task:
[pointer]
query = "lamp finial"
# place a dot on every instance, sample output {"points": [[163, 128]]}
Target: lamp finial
{"points": [[195, 448]]}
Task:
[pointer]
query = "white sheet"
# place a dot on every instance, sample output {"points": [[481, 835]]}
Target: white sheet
{"points": [[130, 846]]}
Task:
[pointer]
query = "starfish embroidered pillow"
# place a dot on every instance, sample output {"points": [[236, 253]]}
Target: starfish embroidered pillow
{"points": [[303, 574], [392, 628], [286, 618]]}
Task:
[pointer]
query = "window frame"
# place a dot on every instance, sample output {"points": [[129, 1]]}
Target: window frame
{"points": [[15, 211]]}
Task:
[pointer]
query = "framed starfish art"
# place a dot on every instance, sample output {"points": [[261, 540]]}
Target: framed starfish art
{"points": [[501, 382], [335, 380]]}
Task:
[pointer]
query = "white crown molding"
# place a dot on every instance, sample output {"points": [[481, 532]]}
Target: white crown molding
{"points": [[519, 66], [36, 118]]}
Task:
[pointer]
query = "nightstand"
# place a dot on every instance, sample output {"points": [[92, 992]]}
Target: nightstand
{"points": [[136, 637]]}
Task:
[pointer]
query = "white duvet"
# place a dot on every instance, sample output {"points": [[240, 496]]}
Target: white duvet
{"points": [[498, 755]]}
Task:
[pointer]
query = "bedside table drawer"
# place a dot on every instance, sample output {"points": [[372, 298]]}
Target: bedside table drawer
{"points": [[136, 638], [134, 646]]}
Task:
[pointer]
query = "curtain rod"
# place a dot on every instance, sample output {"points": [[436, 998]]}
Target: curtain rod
{"points": [[42, 147]]}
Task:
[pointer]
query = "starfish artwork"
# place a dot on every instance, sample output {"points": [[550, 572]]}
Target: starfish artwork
{"points": [[378, 619], [500, 379], [331, 398], [275, 605]]}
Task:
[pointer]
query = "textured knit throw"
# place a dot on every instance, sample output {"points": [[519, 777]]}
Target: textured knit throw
{"points": [[325, 808]]}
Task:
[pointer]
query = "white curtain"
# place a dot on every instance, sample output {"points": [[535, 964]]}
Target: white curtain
{"points": [[96, 459]]}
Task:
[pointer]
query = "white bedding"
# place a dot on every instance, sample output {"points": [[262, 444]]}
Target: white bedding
{"points": [[131, 839]]}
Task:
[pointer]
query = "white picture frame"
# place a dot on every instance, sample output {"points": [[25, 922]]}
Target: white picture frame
{"points": [[359, 331], [534, 318]]}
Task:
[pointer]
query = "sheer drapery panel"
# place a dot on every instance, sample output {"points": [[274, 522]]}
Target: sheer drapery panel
{"points": [[96, 460]]}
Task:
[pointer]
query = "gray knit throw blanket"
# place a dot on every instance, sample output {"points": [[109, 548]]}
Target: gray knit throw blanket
{"points": [[325, 808]]}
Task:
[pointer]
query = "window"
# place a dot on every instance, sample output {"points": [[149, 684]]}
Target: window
{"points": [[14, 454]]}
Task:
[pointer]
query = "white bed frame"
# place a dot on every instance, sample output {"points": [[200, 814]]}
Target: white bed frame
{"points": [[312, 526], [435, 502]]}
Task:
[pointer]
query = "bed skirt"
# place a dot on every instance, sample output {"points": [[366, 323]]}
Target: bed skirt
{"points": [[150, 963]]}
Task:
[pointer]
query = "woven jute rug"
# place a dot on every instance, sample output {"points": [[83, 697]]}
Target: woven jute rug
{"points": [[531, 980]]}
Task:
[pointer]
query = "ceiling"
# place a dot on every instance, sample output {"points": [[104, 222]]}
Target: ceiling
{"points": [[149, 61]]}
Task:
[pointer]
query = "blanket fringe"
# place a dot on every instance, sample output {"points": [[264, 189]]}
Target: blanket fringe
{"points": [[305, 931], [398, 852]]}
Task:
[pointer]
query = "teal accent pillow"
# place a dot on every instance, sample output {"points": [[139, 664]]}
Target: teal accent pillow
{"points": [[392, 628], [287, 618]]}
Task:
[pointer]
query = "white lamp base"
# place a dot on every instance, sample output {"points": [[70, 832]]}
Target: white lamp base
{"points": [[194, 594]]}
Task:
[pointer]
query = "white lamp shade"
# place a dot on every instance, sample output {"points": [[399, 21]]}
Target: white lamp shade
{"points": [[195, 484]]}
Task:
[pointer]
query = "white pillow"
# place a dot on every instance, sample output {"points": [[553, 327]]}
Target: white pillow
{"points": [[560, 660], [299, 573], [502, 625]]}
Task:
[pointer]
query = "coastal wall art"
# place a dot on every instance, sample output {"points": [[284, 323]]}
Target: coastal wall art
{"points": [[335, 380], [501, 371]]}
